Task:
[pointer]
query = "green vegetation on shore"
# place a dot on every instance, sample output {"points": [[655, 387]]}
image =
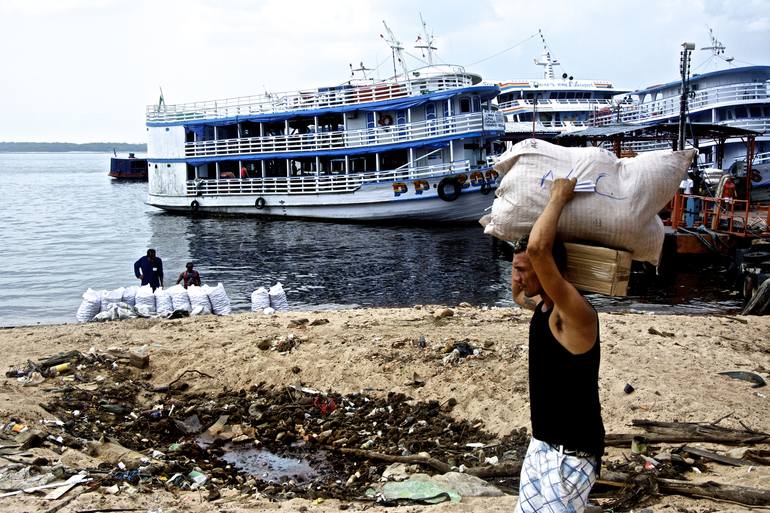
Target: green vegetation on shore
{"points": [[29, 147]]}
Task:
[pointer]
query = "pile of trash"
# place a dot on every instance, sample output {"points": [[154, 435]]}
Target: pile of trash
{"points": [[131, 302], [269, 301], [282, 442]]}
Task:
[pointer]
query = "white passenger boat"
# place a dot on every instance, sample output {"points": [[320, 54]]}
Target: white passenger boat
{"points": [[546, 107], [413, 147], [733, 96]]}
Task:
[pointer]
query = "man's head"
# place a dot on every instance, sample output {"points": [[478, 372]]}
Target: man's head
{"points": [[189, 266], [151, 254], [523, 272]]}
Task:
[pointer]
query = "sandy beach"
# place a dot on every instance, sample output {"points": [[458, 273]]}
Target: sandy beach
{"points": [[672, 362]]}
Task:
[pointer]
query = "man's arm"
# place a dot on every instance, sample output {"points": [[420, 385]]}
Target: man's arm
{"points": [[160, 271], [137, 268], [576, 326], [181, 277]]}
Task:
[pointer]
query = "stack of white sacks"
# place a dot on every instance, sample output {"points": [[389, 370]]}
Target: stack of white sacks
{"points": [[126, 302], [269, 301]]}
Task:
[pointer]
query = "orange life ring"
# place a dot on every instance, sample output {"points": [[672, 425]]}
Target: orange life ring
{"points": [[386, 120]]}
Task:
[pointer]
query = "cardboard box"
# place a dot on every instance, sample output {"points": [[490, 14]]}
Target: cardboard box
{"points": [[598, 269]]}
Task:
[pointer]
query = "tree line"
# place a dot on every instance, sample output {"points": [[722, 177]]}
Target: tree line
{"points": [[22, 147]]}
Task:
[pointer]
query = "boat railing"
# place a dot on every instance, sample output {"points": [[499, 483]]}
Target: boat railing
{"points": [[317, 184], [710, 97], [722, 215], [273, 103], [319, 141], [554, 102]]}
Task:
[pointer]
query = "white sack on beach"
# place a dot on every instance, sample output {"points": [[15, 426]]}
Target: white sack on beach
{"points": [[220, 303], [163, 302], [622, 211], [278, 298], [145, 300], [129, 295], [110, 297], [199, 300], [260, 299], [90, 306], [179, 298]]}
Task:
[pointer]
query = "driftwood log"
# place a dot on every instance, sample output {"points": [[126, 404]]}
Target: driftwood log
{"points": [[710, 489], [683, 432], [507, 469]]}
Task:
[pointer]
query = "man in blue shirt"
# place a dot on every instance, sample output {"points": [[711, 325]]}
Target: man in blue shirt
{"points": [[149, 269]]}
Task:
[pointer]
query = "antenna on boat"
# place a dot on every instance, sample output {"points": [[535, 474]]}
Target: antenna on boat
{"points": [[545, 59], [717, 48], [360, 69], [396, 49], [427, 44]]}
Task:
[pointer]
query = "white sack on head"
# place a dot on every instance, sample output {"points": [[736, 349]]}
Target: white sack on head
{"points": [[220, 303], [199, 300], [163, 302], [179, 298], [260, 299], [90, 306], [145, 300], [622, 211]]}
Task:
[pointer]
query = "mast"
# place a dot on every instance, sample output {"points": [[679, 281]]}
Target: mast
{"points": [[545, 59], [717, 49], [398, 51], [427, 46]]}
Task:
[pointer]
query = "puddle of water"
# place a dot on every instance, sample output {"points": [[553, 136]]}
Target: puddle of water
{"points": [[268, 466]]}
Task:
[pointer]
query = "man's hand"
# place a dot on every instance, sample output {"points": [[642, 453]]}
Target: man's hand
{"points": [[563, 190]]}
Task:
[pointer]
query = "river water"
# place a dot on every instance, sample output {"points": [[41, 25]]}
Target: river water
{"points": [[66, 226]]}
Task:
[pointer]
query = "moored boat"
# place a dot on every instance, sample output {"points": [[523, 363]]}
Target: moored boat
{"points": [[130, 168], [551, 105], [731, 96], [415, 146]]}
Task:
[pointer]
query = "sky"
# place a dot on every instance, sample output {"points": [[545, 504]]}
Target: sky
{"points": [[85, 70]]}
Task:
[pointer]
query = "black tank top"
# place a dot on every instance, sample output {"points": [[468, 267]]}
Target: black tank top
{"points": [[563, 390]]}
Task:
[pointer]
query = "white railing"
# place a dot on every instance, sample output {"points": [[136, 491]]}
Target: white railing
{"points": [[317, 184], [711, 97], [555, 104], [318, 141], [540, 126], [272, 103]]}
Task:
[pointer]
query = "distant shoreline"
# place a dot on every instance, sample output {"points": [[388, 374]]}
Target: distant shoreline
{"points": [[45, 147]]}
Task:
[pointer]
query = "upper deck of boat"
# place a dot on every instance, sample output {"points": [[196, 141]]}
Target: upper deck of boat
{"points": [[348, 96]]}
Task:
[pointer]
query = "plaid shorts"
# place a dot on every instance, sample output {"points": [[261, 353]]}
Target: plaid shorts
{"points": [[554, 482]]}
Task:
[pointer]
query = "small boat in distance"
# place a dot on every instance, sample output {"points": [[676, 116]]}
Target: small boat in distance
{"points": [[413, 147], [130, 168]]}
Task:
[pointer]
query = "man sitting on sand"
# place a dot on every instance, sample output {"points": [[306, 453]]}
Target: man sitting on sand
{"points": [[189, 276], [564, 455]]}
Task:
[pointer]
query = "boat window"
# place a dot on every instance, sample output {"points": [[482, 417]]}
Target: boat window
{"points": [[570, 95], [370, 120], [465, 105], [756, 111], [476, 104], [430, 111], [401, 117]]}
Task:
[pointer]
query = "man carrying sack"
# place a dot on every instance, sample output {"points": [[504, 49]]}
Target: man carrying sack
{"points": [[564, 455]]}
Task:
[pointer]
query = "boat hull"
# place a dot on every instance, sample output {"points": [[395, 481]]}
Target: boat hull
{"points": [[376, 203]]}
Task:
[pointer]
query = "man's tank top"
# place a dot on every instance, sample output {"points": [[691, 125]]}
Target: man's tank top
{"points": [[563, 390]]}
